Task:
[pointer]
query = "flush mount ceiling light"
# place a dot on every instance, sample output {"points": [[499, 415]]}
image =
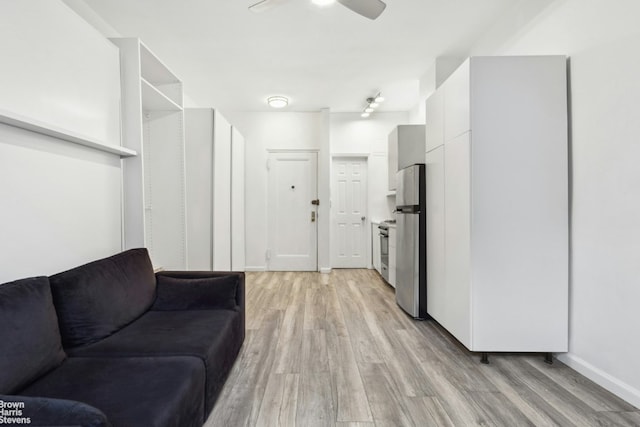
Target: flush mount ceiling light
{"points": [[277, 101], [372, 104], [322, 3], [368, 8]]}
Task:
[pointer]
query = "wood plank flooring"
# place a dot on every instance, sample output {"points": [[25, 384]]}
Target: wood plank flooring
{"points": [[335, 350]]}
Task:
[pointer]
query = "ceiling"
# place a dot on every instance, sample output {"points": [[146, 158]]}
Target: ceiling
{"points": [[233, 59]]}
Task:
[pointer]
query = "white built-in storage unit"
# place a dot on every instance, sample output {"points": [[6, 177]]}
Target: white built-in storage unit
{"points": [[215, 191], [405, 148], [497, 204], [154, 181]]}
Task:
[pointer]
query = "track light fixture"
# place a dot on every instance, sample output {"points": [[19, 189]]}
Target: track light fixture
{"points": [[372, 103]]}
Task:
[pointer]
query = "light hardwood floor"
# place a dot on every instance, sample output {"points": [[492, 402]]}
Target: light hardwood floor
{"points": [[335, 350]]}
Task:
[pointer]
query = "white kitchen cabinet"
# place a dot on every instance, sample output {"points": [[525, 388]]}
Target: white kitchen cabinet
{"points": [[215, 191], [154, 191], [497, 256], [392, 255], [392, 158], [375, 246], [406, 148], [434, 128]]}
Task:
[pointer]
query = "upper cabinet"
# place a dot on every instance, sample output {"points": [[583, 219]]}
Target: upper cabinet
{"points": [[406, 147], [457, 116], [392, 157], [435, 124], [497, 210], [154, 182]]}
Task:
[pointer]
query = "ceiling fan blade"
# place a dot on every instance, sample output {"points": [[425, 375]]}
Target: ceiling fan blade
{"points": [[264, 5], [368, 8]]}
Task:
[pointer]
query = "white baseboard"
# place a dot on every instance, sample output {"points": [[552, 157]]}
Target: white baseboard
{"points": [[598, 376], [325, 270], [255, 268]]}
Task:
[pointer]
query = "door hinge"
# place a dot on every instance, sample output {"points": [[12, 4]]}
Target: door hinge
{"points": [[267, 254]]}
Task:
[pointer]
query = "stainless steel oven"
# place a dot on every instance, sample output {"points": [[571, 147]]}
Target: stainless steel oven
{"points": [[384, 250]]}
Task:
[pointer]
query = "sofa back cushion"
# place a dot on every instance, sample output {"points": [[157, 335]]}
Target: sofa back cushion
{"points": [[29, 336], [97, 299]]}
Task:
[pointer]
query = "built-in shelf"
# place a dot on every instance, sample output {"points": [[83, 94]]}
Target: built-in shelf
{"points": [[64, 134], [154, 100], [156, 73]]}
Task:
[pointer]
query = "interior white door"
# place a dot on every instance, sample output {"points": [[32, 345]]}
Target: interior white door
{"points": [[349, 212], [292, 234]]}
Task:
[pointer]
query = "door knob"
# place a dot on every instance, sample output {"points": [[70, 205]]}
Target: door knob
{"points": [[363, 218]]}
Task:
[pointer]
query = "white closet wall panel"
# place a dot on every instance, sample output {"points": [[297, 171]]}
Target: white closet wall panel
{"points": [[215, 192], [60, 204], [221, 194], [199, 155], [58, 71], [237, 201], [165, 192]]}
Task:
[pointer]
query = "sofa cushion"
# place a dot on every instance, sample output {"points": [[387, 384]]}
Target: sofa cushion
{"points": [[215, 336], [175, 293], [29, 336], [97, 299], [140, 391]]}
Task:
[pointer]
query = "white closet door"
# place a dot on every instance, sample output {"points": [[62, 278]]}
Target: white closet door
{"points": [[199, 156], [237, 201], [457, 238], [221, 193]]}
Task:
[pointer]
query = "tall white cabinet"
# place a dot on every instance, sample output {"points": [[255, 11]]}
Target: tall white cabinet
{"points": [[154, 191], [215, 191], [497, 204]]}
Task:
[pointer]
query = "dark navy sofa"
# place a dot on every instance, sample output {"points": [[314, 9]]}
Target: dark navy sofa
{"points": [[111, 343]]}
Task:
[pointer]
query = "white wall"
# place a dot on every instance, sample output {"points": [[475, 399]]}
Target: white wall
{"points": [[602, 39], [263, 132]]}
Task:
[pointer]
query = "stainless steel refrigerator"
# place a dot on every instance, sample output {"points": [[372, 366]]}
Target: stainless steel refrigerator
{"points": [[411, 245]]}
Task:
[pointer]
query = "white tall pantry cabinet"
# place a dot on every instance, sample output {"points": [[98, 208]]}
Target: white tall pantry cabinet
{"points": [[154, 181], [497, 204]]}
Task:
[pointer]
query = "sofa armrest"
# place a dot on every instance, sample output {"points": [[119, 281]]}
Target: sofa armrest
{"points": [[43, 411], [199, 290]]}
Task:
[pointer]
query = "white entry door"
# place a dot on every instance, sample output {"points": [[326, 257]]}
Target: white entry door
{"points": [[349, 213], [292, 234]]}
